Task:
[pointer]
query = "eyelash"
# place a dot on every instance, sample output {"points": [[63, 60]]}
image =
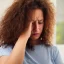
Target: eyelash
{"points": [[40, 22]]}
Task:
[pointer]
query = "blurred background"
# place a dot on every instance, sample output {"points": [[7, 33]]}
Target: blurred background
{"points": [[59, 28]]}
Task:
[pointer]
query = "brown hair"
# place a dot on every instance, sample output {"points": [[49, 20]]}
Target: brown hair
{"points": [[15, 21]]}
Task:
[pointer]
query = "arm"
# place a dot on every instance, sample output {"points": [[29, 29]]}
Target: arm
{"points": [[18, 52]]}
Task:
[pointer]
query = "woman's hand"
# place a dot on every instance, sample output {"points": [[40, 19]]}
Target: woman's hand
{"points": [[27, 32]]}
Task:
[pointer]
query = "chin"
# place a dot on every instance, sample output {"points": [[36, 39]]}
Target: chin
{"points": [[34, 38]]}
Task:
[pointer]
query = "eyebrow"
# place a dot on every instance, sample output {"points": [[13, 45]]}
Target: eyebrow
{"points": [[38, 20]]}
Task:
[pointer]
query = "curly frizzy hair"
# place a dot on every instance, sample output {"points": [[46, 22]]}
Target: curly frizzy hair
{"points": [[15, 21]]}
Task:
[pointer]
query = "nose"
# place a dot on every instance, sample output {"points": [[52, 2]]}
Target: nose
{"points": [[35, 26]]}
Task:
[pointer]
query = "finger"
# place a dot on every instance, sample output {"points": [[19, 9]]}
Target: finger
{"points": [[30, 25]]}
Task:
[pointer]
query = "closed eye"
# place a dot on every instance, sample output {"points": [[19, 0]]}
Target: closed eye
{"points": [[40, 21]]}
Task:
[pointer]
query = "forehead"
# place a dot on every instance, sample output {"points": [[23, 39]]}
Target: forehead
{"points": [[35, 14]]}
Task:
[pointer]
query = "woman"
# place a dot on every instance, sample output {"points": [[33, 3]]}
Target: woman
{"points": [[26, 34]]}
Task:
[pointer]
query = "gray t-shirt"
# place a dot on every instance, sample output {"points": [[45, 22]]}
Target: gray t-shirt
{"points": [[41, 55]]}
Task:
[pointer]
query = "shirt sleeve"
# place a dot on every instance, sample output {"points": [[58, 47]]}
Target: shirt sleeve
{"points": [[56, 57], [5, 51]]}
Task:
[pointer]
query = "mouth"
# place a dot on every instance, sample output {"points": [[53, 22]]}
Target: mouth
{"points": [[35, 34]]}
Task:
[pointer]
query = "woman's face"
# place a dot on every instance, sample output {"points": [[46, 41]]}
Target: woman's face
{"points": [[36, 17]]}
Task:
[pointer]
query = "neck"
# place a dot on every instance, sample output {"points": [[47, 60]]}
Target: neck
{"points": [[34, 42]]}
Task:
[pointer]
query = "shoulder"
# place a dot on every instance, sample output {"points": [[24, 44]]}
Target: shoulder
{"points": [[55, 55], [54, 51], [5, 50]]}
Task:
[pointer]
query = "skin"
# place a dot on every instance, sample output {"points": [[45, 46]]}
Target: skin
{"points": [[36, 17], [18, 52]]}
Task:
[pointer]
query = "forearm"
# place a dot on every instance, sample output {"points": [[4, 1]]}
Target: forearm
{"points": [[18, 52]]}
